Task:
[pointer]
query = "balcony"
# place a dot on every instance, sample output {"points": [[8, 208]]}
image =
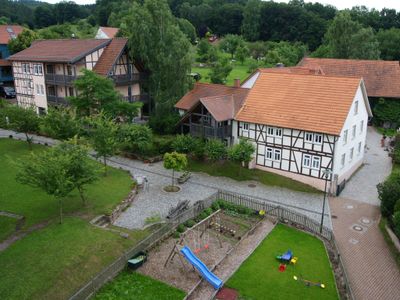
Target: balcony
{"points": [[126, 79], [207, 131], [137, 98], [55, 100], [59, 79]]}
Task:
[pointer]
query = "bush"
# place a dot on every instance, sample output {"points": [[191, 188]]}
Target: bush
{"points": [[240, 209], [181, 228], [199, 149], [184, 143], [396, 223], [201, 216], [164, 123], [163, 144], [190, 223], [60, 124], [136, 138], [389, 193], [176, 235], [215, 150], [208, 211], [215, 206]]}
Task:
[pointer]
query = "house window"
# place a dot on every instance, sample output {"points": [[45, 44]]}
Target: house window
{"points": [[278, 132], [39, 89], [317, 138], [207, 119], [71, 93], [309, 137], [345, 137], [359, 148], [277, 154], [361, 126], [42, 89], [351, 154], [355, 107], [354, 131], [274, 131], [37, 69], [50, 69], [69, 70], [306, 161], [268, 153], [25, 68], [246, 126], [270, 131], [343, 161], [316, 162]]}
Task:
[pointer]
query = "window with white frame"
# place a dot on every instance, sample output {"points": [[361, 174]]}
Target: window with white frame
{"points": [[361, 126], [39, 89], [42, 89], [351, 154], [270, 131], [274, 131], [316, 162], [345, 137], [277, 154], [37, 69], [268, 153], [343, 161], [317, 138], [353, 132], [359, 148], [309, 137], [278, 132], [306, 160], [26, 69], [355, 107], [246, 126]]}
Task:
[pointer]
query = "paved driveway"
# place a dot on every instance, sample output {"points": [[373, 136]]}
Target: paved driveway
{"points": [[372, 270]]}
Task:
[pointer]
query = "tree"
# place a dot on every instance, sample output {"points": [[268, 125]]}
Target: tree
{"points": [[389, 41], [215, 150], [230, 43], [389, 194], [23, 120], [138, 138], [251, 20], [156, 41], [188, 29], [242, 52], [22, 41], [103, 137], [387, 111], [257, 49], [242, 152], [44, 16], [364, 45], [284, 52], [176, 162], [96, 93], [81, 170], [60, 124], [203, 49], [220, 71], [47, 170]]}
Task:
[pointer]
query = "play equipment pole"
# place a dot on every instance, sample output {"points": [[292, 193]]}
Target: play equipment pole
{"points": [[327, 173]]}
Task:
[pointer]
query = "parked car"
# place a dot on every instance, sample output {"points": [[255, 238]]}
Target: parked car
{"points": [[7, 92]]}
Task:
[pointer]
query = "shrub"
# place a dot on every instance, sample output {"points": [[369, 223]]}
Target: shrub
{"points": [[164, 123], [215, 206], [389, 193], [199, 149], [184, 143], [60, 124], [181, 228], [176, 235], [215, 150], [136, 138], [189, 223], [396, 223], [163, 144], [208, 211], [201, 216], [241, 152]]}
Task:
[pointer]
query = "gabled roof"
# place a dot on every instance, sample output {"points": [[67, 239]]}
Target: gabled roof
{"points": [[63, 51], [110, 55], [8, 32], [204, 90], [4, 63], [382, 78], [224, 107], [306, 102], [110, 32]]}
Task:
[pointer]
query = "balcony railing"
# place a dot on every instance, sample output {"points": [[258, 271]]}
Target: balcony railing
{"points": [[59, 79], [136, 98], [55, 100], [210, 131], [125, 79]]}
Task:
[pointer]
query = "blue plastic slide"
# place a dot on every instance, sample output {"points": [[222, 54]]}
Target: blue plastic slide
{"points": [[202, 268]]}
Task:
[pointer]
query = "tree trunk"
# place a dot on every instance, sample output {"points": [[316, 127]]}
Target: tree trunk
{"points": [[105, 165], [173, 177], [29, 141], [81, 194], [61, 210]]}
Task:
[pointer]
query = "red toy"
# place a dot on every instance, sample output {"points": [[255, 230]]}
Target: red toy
{"points": [[282, 268]]}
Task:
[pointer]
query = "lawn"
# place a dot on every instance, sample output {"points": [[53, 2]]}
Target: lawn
{"points": [[132, 285], [239, 71], [37, 206], [53, 262], [236, 172], [258, 277], [7, 227]]}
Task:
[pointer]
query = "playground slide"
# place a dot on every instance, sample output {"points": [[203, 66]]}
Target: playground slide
{"points": [[202, 268]]}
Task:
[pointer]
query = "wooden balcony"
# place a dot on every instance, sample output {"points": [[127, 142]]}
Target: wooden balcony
{"points": [[59, 79], [56, 100], [126, 79], [208, 131]]}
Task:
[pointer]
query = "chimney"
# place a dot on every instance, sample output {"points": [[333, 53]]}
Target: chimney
{"points": [[236, 83]]}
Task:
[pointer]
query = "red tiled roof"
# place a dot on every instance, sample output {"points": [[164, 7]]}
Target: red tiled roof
{"points": [[110, 32], [4, 63], [224, 107], [110, 56], [67, 51], [204, 90], [382, 78], [7, 32], [306, 102]]}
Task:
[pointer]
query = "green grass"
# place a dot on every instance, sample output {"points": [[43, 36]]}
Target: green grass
{"points": [[7, 227], [132, 285], [37, 206], [53, 262], [239, 71], [236, 172], [258, 277]]}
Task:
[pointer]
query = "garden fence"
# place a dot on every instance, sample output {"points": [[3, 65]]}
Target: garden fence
{"points": [[282, 214]]}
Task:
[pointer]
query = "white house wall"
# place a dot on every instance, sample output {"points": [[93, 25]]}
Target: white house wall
{"points": [[250, 81]]}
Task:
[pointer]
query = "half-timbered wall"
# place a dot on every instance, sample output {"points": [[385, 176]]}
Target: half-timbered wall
{"points": [[292, 150]]}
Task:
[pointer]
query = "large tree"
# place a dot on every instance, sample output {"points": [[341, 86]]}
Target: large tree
{"points": [[251, 20], [156, 40], [389, 41], [22, 41], [230, 43]]}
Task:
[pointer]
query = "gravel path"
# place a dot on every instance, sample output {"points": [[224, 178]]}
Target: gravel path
{"points": [[378, 165]]}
